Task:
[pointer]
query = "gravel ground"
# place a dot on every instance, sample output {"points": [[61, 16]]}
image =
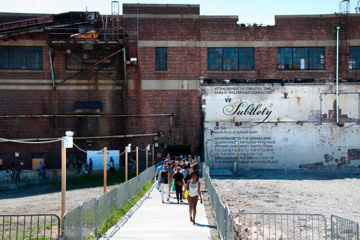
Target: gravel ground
{"points": [[317, 194], [43, 199]]}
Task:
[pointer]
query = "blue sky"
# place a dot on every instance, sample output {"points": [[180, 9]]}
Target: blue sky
{"points": [[251, 11]]}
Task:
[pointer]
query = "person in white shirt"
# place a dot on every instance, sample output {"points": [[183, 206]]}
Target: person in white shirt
{"points": [[193, 186]]}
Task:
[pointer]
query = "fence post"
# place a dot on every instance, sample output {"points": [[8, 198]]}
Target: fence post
{"points": [[137, 161], [96, 216], [126, 163], [63, 181], [80, 221], [153, 155], [105, 168], [147, 156]]}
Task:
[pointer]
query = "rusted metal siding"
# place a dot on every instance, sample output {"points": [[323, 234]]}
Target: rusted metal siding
{"points": [[276, 127]]}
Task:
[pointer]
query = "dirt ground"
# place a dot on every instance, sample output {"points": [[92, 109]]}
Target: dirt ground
{"points": [[43, 200], [308, 194]]}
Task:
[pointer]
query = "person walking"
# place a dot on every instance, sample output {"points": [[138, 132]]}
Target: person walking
{"points": [[164, 181], [171, 174], [18, 172], [157, 175], [194, 193], [90, 166], [179, 183]]}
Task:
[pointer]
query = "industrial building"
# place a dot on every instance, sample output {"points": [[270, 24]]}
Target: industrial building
{"points": [[241, 95]]}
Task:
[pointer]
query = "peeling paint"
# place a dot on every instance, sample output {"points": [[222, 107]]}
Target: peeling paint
{"points": [[299, 133]]}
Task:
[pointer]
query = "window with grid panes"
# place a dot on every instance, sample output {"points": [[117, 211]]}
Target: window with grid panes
{"points": [[354, 61], [316, 58], [20, 58], [222, 59], [230, 59], [285, 58], [215, 58], [160, 58], [74, 60], [247, 61], [301, 58]]}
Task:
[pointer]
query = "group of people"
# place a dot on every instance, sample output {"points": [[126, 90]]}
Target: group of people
{"points": [[181, 173], [13, 175]]}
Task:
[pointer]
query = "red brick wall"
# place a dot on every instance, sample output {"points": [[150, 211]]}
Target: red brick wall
{"points": [[226, 29], [185, 105], [155, 9], [184, 63]]}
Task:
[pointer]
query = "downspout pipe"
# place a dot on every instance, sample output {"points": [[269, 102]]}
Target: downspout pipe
{"points": [[52, 69], [337, 74]]}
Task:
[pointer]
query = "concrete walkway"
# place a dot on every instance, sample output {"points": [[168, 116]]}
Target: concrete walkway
{"points": [[170, 221]]}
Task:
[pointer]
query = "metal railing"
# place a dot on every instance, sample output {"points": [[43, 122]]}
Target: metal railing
{"points": [[221, 211], [276, 225], [81, 221], [281, 226], [31, 226], [342, 228]]}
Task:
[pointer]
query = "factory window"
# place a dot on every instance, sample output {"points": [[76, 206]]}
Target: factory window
{"points": [[74, 60], [20, 58], [230, 59], [160, 58], [301, 58], [246, 59], [215, 59], [354, 62]]}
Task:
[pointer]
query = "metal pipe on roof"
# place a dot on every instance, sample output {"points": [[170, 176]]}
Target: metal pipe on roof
{"points": [[337, 74], [91, 137], [86, 116]]}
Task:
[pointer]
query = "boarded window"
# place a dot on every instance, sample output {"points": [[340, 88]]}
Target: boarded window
{"points": [[301, 58], [222, 59], [20, 58], [161, 58], [354, 61]]}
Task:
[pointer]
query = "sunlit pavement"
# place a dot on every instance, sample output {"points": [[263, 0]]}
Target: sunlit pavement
{"points": [[169, 220]]}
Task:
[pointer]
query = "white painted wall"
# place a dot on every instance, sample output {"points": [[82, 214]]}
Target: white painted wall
{"points": [[292, 127]]}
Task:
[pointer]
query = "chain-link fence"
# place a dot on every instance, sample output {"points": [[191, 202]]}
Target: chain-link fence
{"points": [[281, 226], [276, 225], [86, 218], [342, 228], [221, 211]]}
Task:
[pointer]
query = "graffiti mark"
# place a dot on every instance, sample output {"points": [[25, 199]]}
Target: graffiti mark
{"points": [[312, 165], [354, 154]]}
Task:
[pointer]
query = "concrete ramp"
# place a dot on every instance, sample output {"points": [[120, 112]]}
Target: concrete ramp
{"points": [[157, 220]]}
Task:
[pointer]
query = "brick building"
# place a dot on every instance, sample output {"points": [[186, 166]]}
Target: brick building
{"points": [[148, 72]]}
